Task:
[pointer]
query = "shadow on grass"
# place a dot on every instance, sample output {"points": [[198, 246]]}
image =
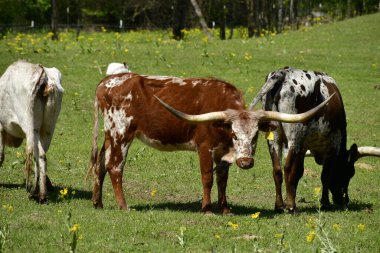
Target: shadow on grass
{"points": [[12, 186], [195, 207], [53, 191], [73, 193], [241, 210]]}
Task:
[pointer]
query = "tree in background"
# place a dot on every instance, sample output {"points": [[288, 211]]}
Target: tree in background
{"points": [[54, 19], [255, 15], [179, 17]]}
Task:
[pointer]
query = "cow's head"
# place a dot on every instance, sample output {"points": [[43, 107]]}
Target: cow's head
{"points": [[245, 126], [339, 185]]}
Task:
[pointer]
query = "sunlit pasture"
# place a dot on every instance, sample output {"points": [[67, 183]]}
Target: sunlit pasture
{"points": [[163, 189]]}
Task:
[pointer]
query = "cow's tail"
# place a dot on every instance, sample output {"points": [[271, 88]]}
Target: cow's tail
{"points": [[272, 79], [94, 150]]}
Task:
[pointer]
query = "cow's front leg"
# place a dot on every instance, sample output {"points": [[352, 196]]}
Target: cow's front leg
{"points": [[206, 162], [293, 172], [221, 178], [325, 178]]}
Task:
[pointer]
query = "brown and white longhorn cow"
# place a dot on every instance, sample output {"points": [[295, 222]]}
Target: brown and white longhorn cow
{"points": [[30, 102], [295, 91], [131, 110]]}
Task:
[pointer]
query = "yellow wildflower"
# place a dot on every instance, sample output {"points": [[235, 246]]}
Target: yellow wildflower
{"points": [[337, 227], [126, 50], [74, 228], [361, 227], [279, 235], [153, 192], [247, 56], [9, 208], [255, 215], [317, 191], [310, 236], [217, 236], [205, 39], [50, 34], [63, 193], [311, 223], [233, 226]]}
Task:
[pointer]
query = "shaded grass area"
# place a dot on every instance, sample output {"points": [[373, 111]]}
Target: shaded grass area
{"points": [[164, 189]]}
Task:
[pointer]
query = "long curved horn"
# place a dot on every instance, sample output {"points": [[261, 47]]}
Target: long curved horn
{"points": [[368, 151], [295, 118], [211, 116]]}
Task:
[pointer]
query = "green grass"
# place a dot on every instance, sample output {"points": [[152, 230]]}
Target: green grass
{"points": [[349, 51]]}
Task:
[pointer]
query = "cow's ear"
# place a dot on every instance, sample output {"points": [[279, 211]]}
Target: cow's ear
{"points": [[267, 126], [353, 154]]}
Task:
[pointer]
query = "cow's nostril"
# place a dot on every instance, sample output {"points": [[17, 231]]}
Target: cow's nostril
{"points": [[245, 163]]}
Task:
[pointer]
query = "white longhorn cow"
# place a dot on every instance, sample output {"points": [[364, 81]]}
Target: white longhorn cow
{"points": [[30, 102]]}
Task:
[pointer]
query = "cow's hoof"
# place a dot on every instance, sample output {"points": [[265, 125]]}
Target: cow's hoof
{"points": [[292, 210], [227, 212], [43, 201], [278, 209], [208, 213], [38, 199], [207, 209], [326, 207], [98, 205], [125, 208]]}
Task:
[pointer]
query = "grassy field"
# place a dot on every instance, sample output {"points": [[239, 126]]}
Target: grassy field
{"points": [[164, 189]]}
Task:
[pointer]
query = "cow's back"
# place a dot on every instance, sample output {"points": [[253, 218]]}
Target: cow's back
{"points": [[24, 102], [17, 85], [129, 99]]}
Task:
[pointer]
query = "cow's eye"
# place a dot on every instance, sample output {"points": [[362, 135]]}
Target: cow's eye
{"points": [[234, 136]]}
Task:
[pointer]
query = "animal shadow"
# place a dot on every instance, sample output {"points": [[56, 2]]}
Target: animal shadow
{"points": [[195, 207]]}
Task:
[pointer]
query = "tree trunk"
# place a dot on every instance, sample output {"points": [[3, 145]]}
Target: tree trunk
{"points": [[348, 14], [291, 13], [179, 17], [280, 10], [78, 15], [54, 19], [201, 18], [250, 18], [258, 16], [222, 19], [296, 18]]}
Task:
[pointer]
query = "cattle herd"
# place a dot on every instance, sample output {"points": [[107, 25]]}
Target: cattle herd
{"points": [[302, 110]]}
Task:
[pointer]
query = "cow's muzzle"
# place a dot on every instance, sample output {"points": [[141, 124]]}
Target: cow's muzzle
{"points": [[245, 162]]}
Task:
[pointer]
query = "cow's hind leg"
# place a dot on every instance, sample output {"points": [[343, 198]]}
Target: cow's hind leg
{"points": [[115, 166], [1, 146], [221, 178], [35, 150], [100, 172]]}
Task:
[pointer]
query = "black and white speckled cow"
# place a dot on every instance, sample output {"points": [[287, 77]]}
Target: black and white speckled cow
{"points": [[295, 91]]}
